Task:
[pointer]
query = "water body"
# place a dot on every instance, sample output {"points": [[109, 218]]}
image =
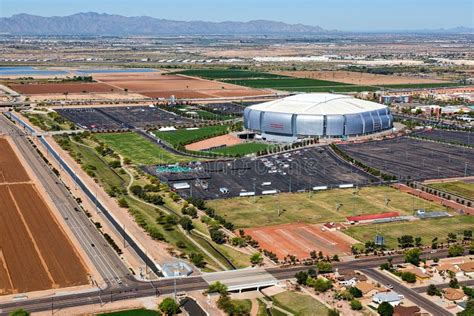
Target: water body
{"points": [[23, 70], [115, 70]]}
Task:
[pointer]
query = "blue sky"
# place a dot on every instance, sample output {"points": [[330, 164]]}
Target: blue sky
{"points": [[351, 15]]}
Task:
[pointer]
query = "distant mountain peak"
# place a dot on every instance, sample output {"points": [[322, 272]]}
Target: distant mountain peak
{"points": [[93, 23]]}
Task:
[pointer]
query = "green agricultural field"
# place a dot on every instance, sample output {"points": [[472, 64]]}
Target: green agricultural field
{"points": [[427, 229], [334, 89], [221, 73], [139, 150], [299, 304], [460, 188], [319, 207], [133, 312], [185, 136], [286, 83], [242, 149]]}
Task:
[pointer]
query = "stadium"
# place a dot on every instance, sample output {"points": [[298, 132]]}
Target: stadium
{"points": [[316, 114]]}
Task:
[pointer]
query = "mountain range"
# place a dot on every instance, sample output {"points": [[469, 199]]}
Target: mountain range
{"points": [[103, 24], [91, 23]]}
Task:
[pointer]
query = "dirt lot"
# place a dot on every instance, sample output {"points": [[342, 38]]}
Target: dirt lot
{"points": [[35, 253], [218, 141], [299, 240], [358, 78], [55, 88], [163, 86]]}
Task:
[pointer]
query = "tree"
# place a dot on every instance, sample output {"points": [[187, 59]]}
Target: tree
{"points": [[355, 292], [186, 223], [322, 285], [408, 277], [197, 259], [123, 203], [356, 305], [469, 310], [324, 267], [432, 290], [418, 241], [217, 236], [454, 283], [451, 238], [217, 287], [385, 309], [333, 312], [169, 306], [467, 234], [405, 241], [301, 277], [471, 248], [413, 256], [456, 251], [19, 312], [256, 258]]}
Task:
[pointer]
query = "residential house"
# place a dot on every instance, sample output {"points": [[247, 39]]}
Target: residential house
{"points": [[400, 310], [453, 294], [390, 297]]}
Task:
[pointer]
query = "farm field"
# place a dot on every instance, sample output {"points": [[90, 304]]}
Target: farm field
{"points": [[186, 136], [421, 85], [55, 88], [461, 188], [30, 258], [320, 207], [285, 83], [242, 149], [299, 304], [220, 73], [357, 78], [163, 86], [140, 150], [427, 229]]}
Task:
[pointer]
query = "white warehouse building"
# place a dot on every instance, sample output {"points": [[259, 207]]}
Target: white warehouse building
{"points": [[316, 114]]}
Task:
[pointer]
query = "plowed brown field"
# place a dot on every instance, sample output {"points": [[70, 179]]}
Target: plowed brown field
{"points": [[35, 253], [55, 88], [163, 86], [11, 169]]}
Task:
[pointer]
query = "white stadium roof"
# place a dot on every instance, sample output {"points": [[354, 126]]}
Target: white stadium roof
{"points": [[318, 104]]}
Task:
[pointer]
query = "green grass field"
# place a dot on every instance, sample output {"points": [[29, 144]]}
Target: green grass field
{"points": [[222, 73], [134, 312], [286, 83], [426, 229], [184, 136], [320, 207], [352, 88], [299, 304], [139, 150], [245, 305], [242, 149], [461, 188]]}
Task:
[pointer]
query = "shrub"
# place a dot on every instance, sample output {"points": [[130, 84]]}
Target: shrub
{"points": [[356, 305]]}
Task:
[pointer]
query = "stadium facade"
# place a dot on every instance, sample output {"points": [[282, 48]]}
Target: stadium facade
{"points": [[316, 114]]}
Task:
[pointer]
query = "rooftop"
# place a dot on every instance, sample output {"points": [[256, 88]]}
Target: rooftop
{"points": [[318, 104]]}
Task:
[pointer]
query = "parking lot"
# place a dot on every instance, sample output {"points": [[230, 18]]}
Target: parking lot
{"points": [[414, 159], [123, 118], [455, 137], [293, 171]]}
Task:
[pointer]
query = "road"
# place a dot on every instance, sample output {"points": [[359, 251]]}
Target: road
{"points": [[409, 294]]}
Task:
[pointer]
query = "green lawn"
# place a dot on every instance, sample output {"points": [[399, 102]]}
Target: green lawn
{"points": [[185, 136], [353, 88], [286, 83], [222, 73], [244, 305], [299, 304], [139, 150], [242, 149], [461, 188], [320, 207], [426, 229], [134, 312]]}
